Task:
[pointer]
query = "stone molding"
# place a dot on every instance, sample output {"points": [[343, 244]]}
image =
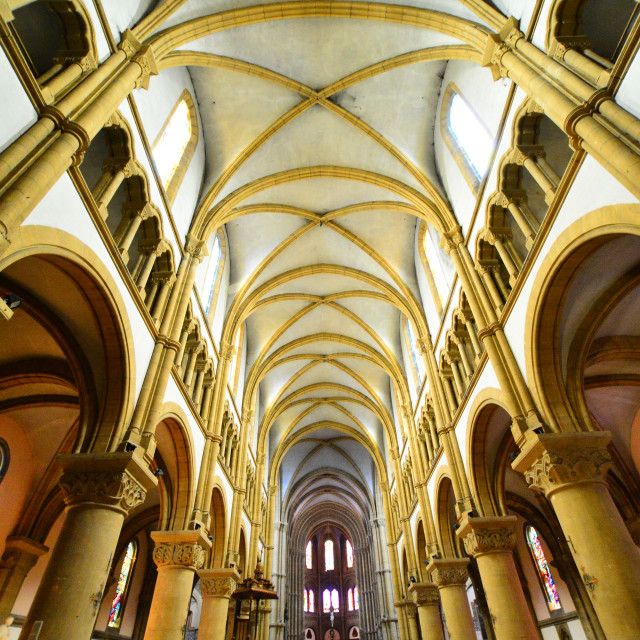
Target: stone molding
{"points": [[186, 549], [551, 461], [425, 593], [449, 572], [488, 535], [114, 480]]}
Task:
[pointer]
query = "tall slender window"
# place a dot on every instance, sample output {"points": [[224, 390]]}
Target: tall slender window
{"points": [[312, 604], [328, 555], [435, 266], [542, 567], [470, 134], [122, 587], [216, 255], [349, 555], [356, 599], [350, 599], [170, 146], [418, 363], [235, 361], [335, 600], [305, 601], [326, 601], [309, 556]]}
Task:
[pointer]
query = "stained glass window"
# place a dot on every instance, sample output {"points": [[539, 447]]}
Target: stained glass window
{"points": [[312, 604], [328, 555], [470, 134], [216, 254], [168, 150], [335, 599], [309, 556], [356, 599], [418, 363], [326, 600], [349, 555], [544, 572], [117, 606], [305, 601], [350, 599]]}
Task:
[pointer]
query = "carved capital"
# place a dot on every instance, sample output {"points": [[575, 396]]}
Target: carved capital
{"points": [[218, 583], [424, 344], [226, 351], [488, 535], [451, 239], [552, 461], [114, 480], [449, 572], [424, 593], [196, 247], [146, 60], [185, 549]]}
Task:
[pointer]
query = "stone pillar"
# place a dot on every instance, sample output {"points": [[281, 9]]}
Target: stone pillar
{"points": [[216, 586], [450, 576], [491, 541], [100, 489], [569, 469], [19, 557], [411, 612], [427, 599], [178, 555]]}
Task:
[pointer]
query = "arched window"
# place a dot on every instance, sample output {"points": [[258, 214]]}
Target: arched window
{"points": [[174, 147], [335, 600], [309, 556], [542, 568], [305, 601], [326, 601], [234, 368], [467, 137], [349, 555], [416, 357], [434, 272], [350, 599], [122, 587], [5, 457], [328, 555], [356, 599], [312, 604], [212, 272]]}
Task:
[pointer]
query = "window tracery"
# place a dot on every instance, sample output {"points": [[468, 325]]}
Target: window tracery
{"points": [[328, 555], [356, 598], [326, 601], [122, 587], [335, 600], [350, 599]]}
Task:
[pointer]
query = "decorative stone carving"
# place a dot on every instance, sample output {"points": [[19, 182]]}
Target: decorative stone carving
{"points": [[217, 587], [550, 461], [112, 488], [488, 535], [425, 594], [450, 576], [185, 554]]}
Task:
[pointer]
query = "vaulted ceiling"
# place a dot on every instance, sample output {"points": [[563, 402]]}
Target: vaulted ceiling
{"points": [[319, 138]]}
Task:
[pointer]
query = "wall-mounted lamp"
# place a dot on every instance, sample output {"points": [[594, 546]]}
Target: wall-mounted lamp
{"points": [[11, 301]]}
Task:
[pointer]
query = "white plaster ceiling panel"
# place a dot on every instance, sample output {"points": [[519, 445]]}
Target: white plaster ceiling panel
{"points": [[323, 372], [318, 51], [323, 194], [326, 457], [401, 105], [321, 245], [275, 380], [324, 347], [197, 8], [253, 237], [235, 108], [323, 284], [325, 412], [324, 319], [319, 137]]}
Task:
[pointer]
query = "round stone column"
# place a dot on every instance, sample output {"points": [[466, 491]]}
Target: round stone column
{"points": [[450, 576], [216, 586], [427, 599], [99, 491], [491, 541], [569, 469], [178, 555]]}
